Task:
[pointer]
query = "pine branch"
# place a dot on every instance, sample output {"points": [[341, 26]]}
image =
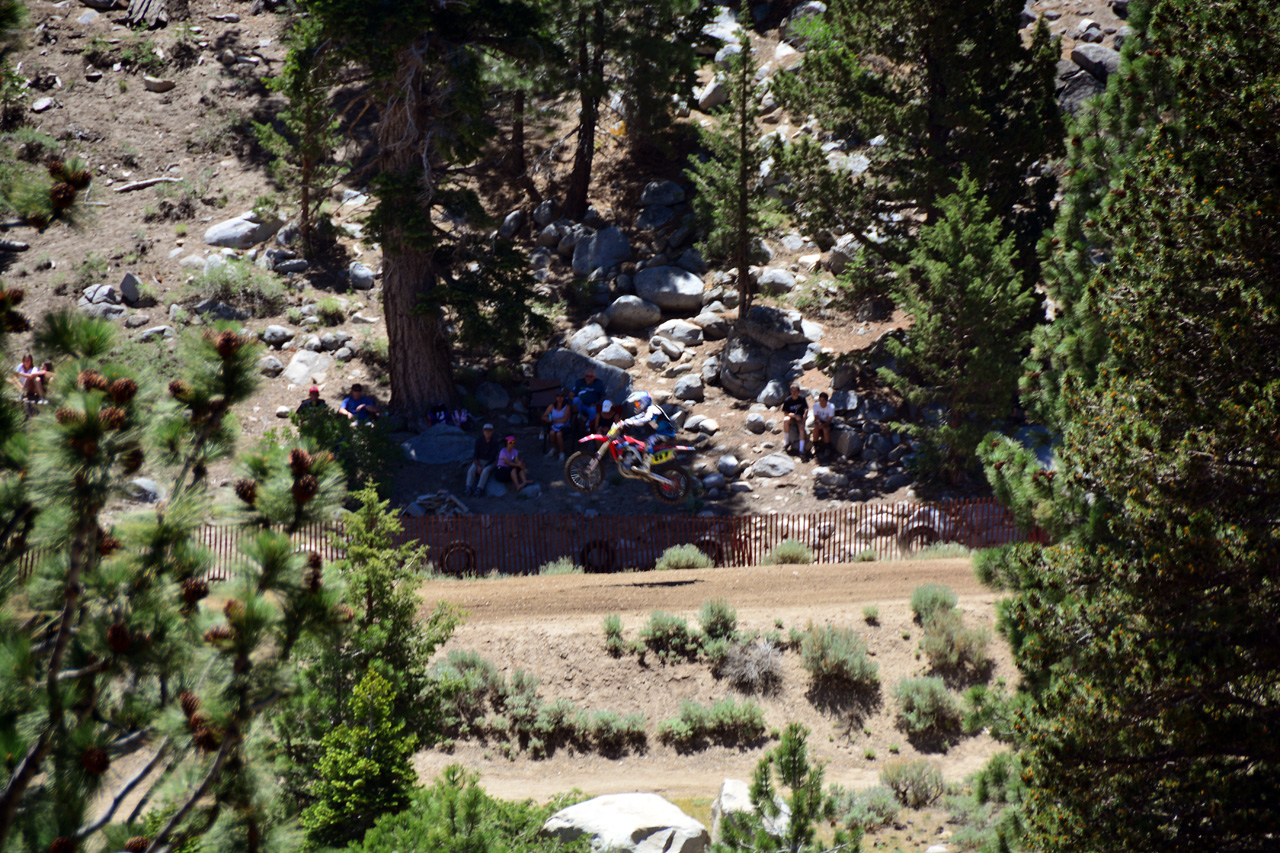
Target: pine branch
{"points": [[124, 792], [158, 842]]}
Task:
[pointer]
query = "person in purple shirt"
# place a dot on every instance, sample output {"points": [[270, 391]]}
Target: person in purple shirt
{"points": [[511, 468]]}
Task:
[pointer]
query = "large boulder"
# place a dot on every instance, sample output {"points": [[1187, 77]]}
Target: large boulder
{"points": [[567, 366], [686, 334], [773, 465], [1099, 61], [582, 339], [629, 823], [670, 288], [616, 355], [714, 326], [307, 367], [774, 280], [743, 368], [734, 799], [243, 232], [776, 328], [604, 249], [689, 387], [632, 312], [442, 444], [662, 192], [491, 395]]}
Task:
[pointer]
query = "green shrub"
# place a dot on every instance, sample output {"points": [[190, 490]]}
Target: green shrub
{"points": [[683, 557], [366, 455], [613, 642], [871, 614], [560, 721], [942, 550], [838, 656], [668, 636], [868, 555], [753, 667], [916, 784], [930, 598], [866, 810], [562, 566], [240, 284], [611, 732], [718, 619], [925, 707], [992, 710], [330, 311], [295, 316], [470, 682], [726, 722], [952, 647], [1000, 781], [790, 552]]}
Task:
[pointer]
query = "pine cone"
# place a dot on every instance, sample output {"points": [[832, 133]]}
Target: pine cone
{"points": [[207, 739], [179, 390], [315, 561], [247, 491], [14, 322], [190, 702], [37, 221], [119, 640], [113, 418], [305, 488], [13, 296], [299, 461], [312, 579], [108, 544], [122, 390], [137, 844], [80, 178], [194, 589], [62, 844], [95, 760], [57, 168], [92, 379], [218, 633], [63, 195], [86, 446], [68, 416], [227, 343], [234, 610]]}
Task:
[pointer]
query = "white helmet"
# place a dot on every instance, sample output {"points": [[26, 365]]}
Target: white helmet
{"points": [[639, 402]]}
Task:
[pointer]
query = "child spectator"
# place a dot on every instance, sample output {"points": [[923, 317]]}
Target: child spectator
{"points": [[511, 468], [824, 413], [313, 401], [31, 379]]}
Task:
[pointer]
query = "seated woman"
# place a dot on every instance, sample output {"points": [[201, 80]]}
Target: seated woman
{"points": [[511, 468], [31, 379], [557, 417]]}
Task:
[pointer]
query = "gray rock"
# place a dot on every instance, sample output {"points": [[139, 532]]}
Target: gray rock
{"points": [[584, 337], [714, 481], [670, 288], [361, 276], [629, 823], [271, 366], [136, 321], [39, 105], [653, 217], [672, 349], [442, 444], [775, 281], [494, 489], [693, 422], [712, 95], [709, 426], [532, 491], [632, 312], [710, 371], [546, 212], [692, 260], [662, 192], [296, 265], [604, 249], [773, 465], [729, 465], [131, 288], [156, 332], [567, 367], [99, 294], [617, 356], [307, 367], [283, 412], [276, 336], [775, 328], [773, 394], [1099, 61], [678, 369], [156, 84], [144, 490], [313, 344], [897, 481], [242, 232], [690, 388], [549, 237], [512, 225], [491, 395], [848, 443], [845, 401], [686, 334], [755, 423], [657, 360], [829, 478]]}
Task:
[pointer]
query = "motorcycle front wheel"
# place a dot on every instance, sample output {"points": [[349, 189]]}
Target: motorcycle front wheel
{"points": [[579, 473], [681, 485]]}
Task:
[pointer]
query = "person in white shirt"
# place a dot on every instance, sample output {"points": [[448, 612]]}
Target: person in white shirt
{"points": [[823, 414]]}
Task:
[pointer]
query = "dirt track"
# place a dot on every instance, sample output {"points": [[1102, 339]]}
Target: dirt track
{"points": [[551, 627]]}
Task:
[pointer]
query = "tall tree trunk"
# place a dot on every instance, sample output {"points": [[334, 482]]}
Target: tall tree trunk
{"points": [[421, 372], [575, 202]]}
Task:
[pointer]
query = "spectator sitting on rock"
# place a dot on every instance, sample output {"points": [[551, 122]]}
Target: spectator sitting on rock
{"points": [[824, 413], [796, 408], [485, 461], [358, 407], [608, 416], [511, 468], [587, 395], [31, 379], [557, 417], [313, 401]]}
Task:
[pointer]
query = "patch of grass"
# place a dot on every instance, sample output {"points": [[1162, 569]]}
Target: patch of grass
{"points": [[613, 641], [942, 550], [330, 311], [683, 557], [871, 614], [92, 270], [954, 648], [929, 598], [562, 566], [867, 810], [669, 636], [180, 230], [790, 552], [242, 285], [727, 722], [295, 316], [926, 707], [869, 754], [718, 619], [838, 656], [915, 784], [867, 556], [754, 666]]}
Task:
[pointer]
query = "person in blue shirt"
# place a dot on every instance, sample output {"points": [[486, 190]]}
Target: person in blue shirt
{"points": [[587, 395], [359, 408]]}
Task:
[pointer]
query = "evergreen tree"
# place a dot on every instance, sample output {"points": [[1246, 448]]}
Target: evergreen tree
{"points": [[304, 158], [787, 766], [960, 360], [1148, 629], [366, 770], [731, 198], [948, 85]]}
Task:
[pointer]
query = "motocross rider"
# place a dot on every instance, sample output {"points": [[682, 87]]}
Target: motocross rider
{"points": [[641, 410]]}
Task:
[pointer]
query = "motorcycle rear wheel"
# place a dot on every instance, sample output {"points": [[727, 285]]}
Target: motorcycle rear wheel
{"points": [[682, 485], [579, 474]]}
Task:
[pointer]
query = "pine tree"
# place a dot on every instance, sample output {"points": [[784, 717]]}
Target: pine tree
{"points": [[1148, 629], [731, 199], [366, 770], [960, 360], [948, 85]]}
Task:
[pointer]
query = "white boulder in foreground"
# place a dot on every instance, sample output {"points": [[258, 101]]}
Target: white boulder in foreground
{"points": [[634, 823]]}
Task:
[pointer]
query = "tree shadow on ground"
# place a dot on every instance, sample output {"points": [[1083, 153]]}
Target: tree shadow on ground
{"points": [[844, 701]]}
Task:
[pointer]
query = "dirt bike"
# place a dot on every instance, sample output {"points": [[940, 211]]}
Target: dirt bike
{"points": [[671, 484]]}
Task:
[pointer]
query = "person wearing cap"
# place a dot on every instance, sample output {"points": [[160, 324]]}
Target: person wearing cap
{"points": [[485, 461], [511, 467], [608, 416], [313, 401], [358, 407]]}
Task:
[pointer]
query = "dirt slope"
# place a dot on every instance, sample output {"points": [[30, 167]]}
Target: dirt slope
{"points": [[551, 626]]}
